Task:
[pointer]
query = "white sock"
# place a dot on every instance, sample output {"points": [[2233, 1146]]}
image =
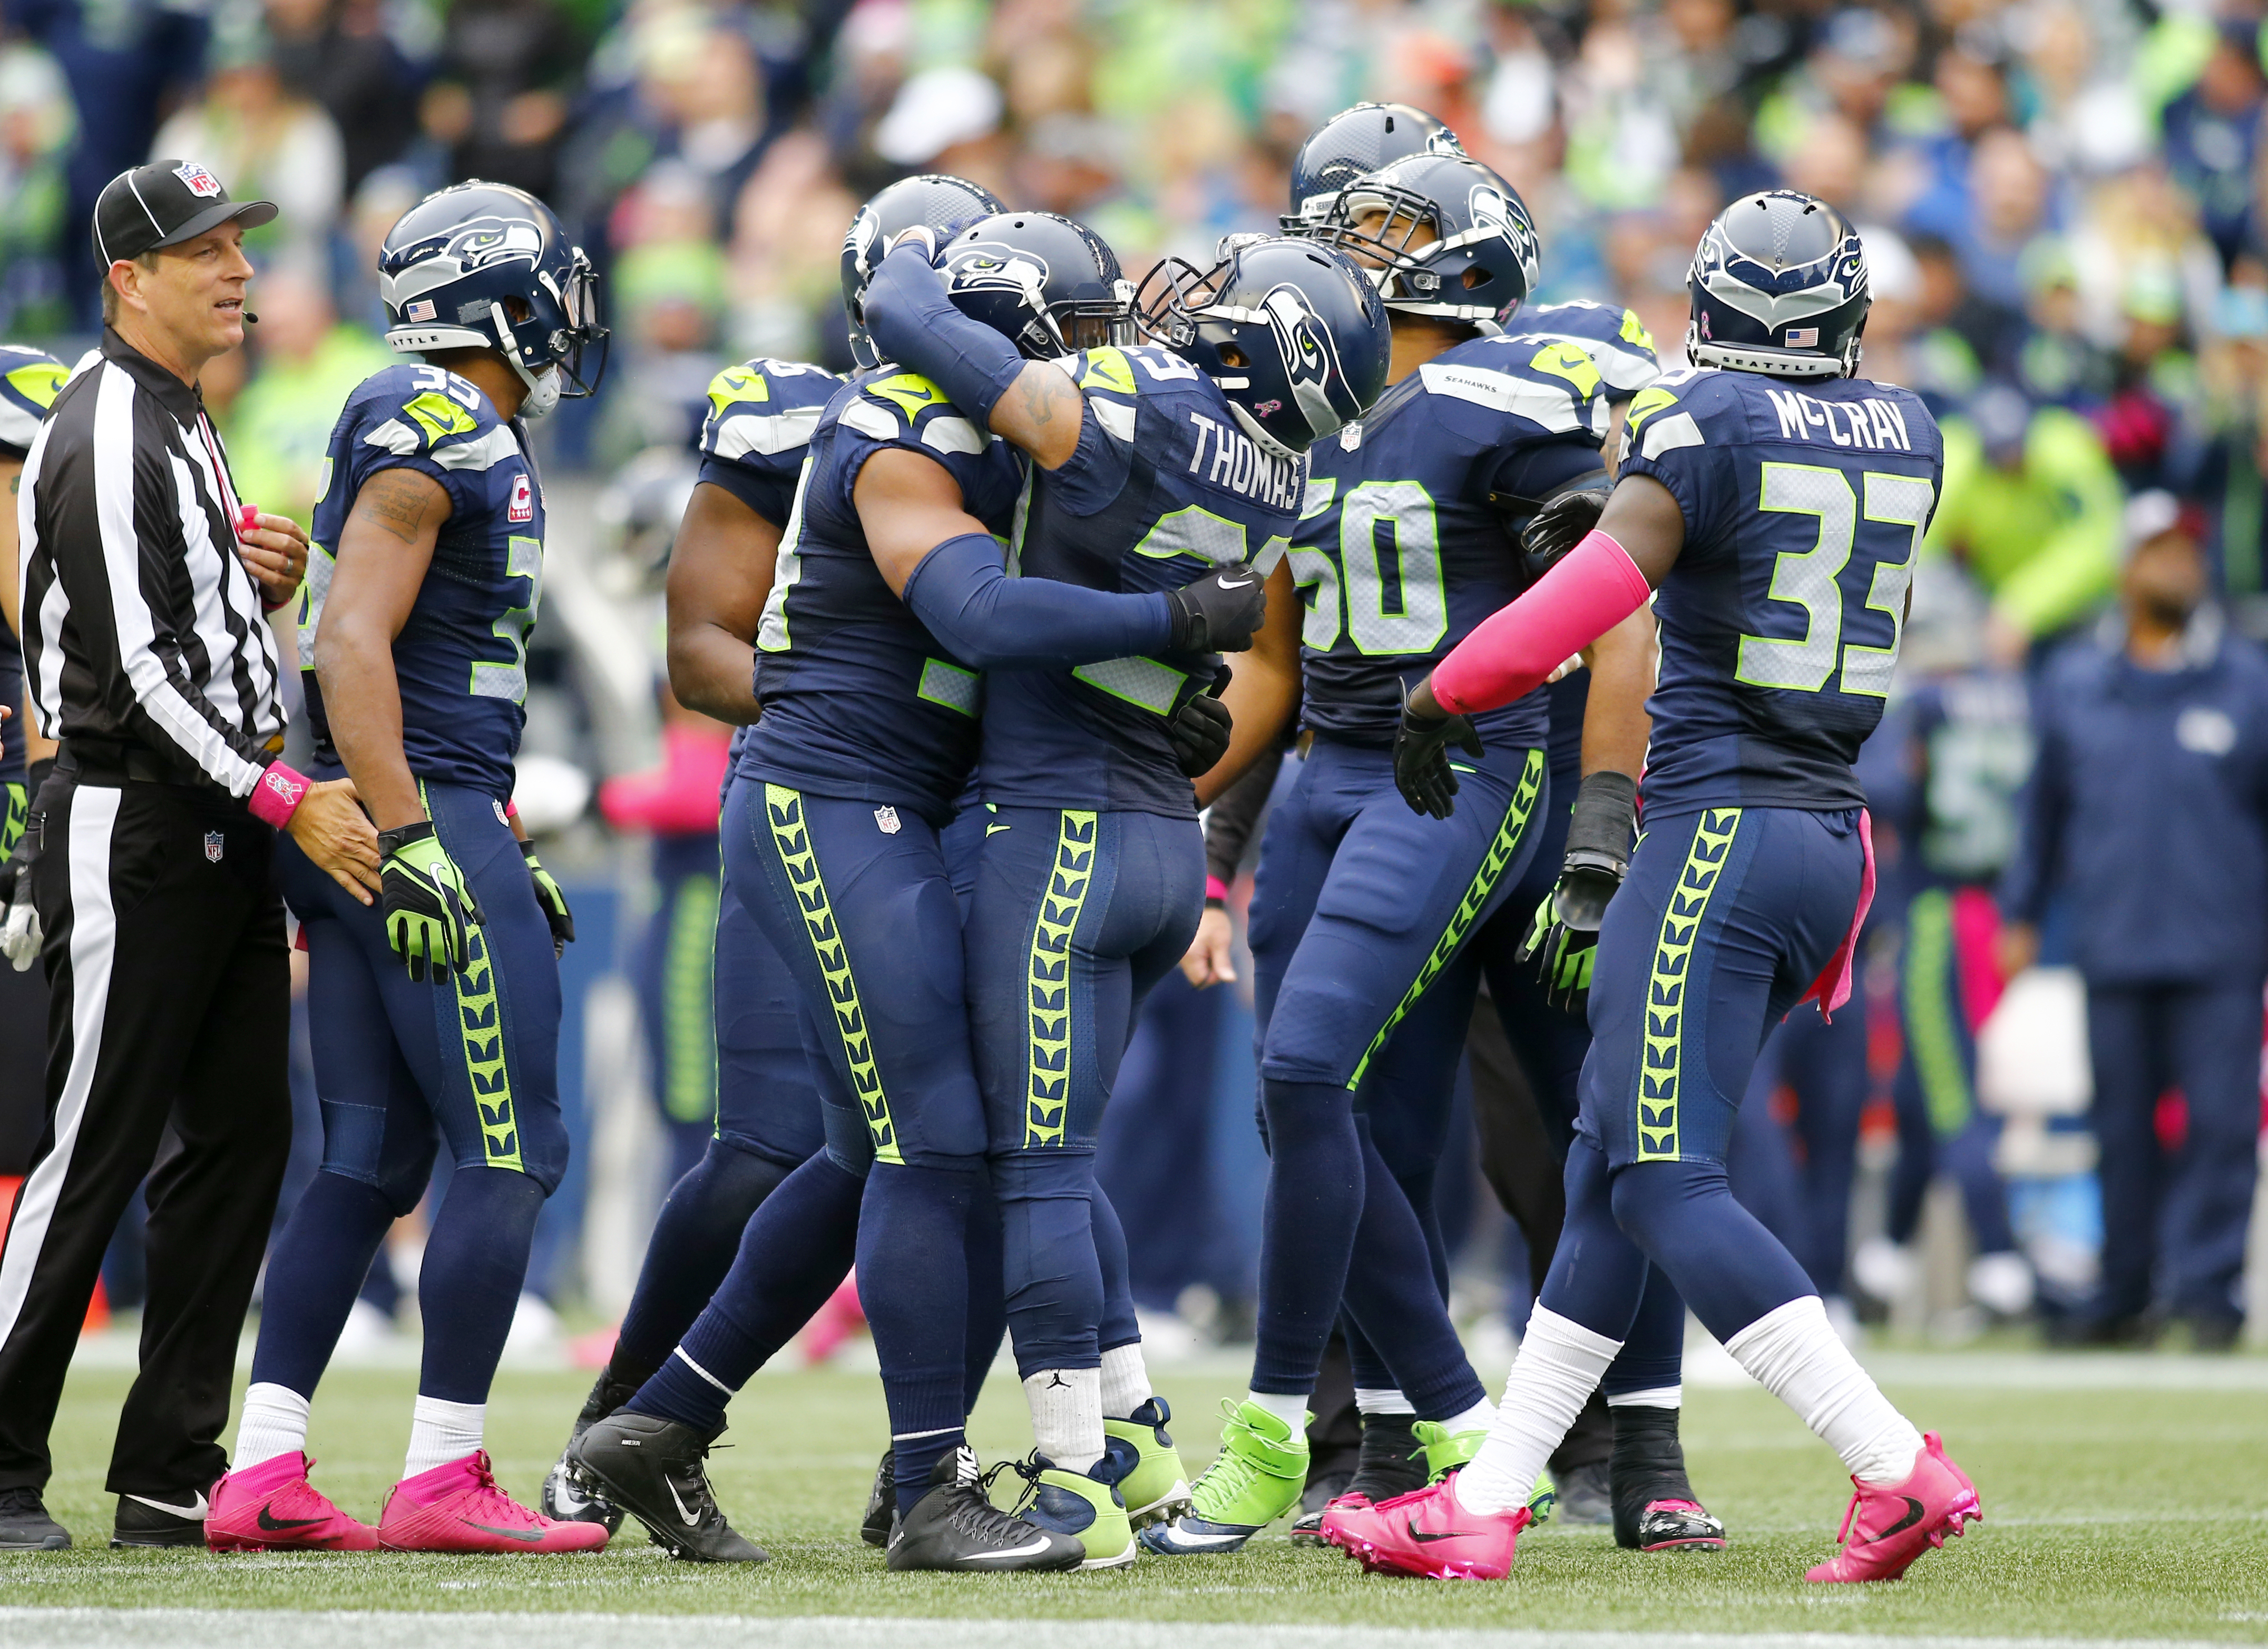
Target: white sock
{"points": [[1381, 1400], [1793, 1352], [1479, 1415], [1067, 1415], [1291, 1410], [1652, 1397], [1125, 1380], [442, 1432], [275, 1422], [1558, 1366]]}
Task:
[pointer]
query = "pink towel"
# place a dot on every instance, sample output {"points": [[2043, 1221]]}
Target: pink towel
{"points": [[1832, 987]]}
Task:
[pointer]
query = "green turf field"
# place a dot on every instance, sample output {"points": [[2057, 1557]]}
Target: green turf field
{"points": [[2128, 1510]]}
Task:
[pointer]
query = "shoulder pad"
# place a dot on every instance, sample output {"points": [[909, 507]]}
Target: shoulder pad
{"points": [[907, 407], [764, 407], [424, 411], [29, 383], [1676, 408], [1549, 382], [1617, 341]]}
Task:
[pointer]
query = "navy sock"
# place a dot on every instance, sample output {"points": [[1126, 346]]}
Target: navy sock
{"points": [[1654, 1355], [988, 1298], [1119, 1325], [1729, 1267], [1369, 1369], [1054, 1277], [320, 1261], [468, 1287], [913, 1280], [1390, 1295], [1597, 1274], [1314, 1201], [694, 1238], [794, 1252]]}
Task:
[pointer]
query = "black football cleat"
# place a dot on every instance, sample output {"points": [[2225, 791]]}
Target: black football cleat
{"points": [[566, 1497], [652, 1468], [1391, 1462], [1655, 1509], [882, 1502], [24, 1525], [1585, 1499], [152, 1520], [955, 1528]]}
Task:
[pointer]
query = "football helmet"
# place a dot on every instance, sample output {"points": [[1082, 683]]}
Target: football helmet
{"points": [[1357, 141], [1049, 284], [1482, 258], [1779, 285], [943, 205], [1294, 333], [452, 263]]}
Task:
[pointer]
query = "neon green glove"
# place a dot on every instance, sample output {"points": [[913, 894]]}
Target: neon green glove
{"points": [[553, 900], [427, 909]]}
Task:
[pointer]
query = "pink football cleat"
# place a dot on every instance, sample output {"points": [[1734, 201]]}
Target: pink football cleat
{"points": [[1888, 1528], [459, 1507], [1426, 1533], [273, 1507]]}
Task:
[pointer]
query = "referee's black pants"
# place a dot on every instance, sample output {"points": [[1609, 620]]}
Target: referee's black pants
{"points": [[169, 1004]]}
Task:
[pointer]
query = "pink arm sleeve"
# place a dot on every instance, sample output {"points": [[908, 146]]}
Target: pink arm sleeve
{"points": [[1592, 590]]}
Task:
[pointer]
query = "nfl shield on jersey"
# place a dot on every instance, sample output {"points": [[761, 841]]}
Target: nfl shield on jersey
{"points": [[1163, 487], [462, 659], [1805, 501]]}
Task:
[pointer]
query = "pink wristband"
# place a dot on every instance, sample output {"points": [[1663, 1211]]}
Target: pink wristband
{"points": [[277, 795], [1216, 888], [510, 811], [1515, 650]]}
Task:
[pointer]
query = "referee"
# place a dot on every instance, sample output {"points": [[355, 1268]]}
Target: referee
{"points": [[146, 585]]}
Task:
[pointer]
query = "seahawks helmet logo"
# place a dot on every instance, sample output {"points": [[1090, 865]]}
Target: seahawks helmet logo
{"points": [[486, 240], [858, 240], [1311, 364], [990, 266], [1489, 206]]}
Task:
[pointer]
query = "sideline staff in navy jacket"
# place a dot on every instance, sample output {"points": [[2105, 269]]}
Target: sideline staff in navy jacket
{"points": [[2149, 803]]}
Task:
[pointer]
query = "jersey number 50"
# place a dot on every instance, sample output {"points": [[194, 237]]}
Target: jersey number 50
{"points": [[1389, 560], [1813, 579]]}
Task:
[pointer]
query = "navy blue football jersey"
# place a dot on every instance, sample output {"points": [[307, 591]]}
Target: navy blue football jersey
{"points": [[1617, 341], [860, 701], [29, 382], [461, 658], [1163, 487], [1401, 545], [1804, 503], [761, 417]]}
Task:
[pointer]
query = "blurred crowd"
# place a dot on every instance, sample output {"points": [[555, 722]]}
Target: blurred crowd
{"points": [[2062, 200]]}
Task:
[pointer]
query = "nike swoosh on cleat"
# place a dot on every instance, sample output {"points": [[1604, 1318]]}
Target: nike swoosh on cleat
{"points": [[196, 1511], [690, 1519], [1914, 1515], [509, 1533], [268, 1521], [1418, 1534], [1032, 1548]]}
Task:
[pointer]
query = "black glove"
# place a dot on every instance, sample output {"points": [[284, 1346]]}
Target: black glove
{"points": [[554, 902], [1562, 522], [19, 917], [429, 910], [1200, 731], [1421, 758], [1219, 612], [1564, 941]]}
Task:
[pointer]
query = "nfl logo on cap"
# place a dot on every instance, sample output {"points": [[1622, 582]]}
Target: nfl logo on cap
{"points": [[201, 184], [214, 843]]}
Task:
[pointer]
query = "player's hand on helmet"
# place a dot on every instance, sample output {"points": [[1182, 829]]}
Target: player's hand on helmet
{"points": [[1562, 523], [1564, 941], [553, 899], [1421, 755], [1218, 613], [429, 911], [19, 917], [921, 236], [1199, 731]]}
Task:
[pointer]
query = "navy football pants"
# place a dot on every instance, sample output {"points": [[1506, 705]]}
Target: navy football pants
{"points": [[1077, 914]]}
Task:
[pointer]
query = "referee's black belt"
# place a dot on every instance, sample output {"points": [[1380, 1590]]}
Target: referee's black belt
{"points": [[115, 761]]}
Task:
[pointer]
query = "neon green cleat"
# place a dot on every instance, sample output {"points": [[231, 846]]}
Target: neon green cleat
{"points": [[1085, 1506], [1157, 1490], [1255, 1479], [1447, 1451]]}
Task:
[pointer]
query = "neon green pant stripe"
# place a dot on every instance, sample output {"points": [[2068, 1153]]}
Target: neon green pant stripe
{"points": [[1503, 848], [784, 810], [1659, 1076], [1930, 1002], [688, 1016], [1048, 979]]}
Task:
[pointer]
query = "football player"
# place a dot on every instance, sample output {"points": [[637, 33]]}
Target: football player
{"points": [[1151, 463], [1360, 915], [890, 601], [1777, 504], [29, 382], [761, 417], [439, 1006]]}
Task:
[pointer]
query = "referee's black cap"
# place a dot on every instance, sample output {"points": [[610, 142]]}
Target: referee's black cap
{"points": [[163, 204]]}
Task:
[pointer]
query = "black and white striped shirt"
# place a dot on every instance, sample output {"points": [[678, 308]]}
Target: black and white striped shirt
{"points": [[140, 626]]}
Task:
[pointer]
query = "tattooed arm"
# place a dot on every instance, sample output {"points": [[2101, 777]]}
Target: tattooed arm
{"points": [[1040, 414], [383, 550]]}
